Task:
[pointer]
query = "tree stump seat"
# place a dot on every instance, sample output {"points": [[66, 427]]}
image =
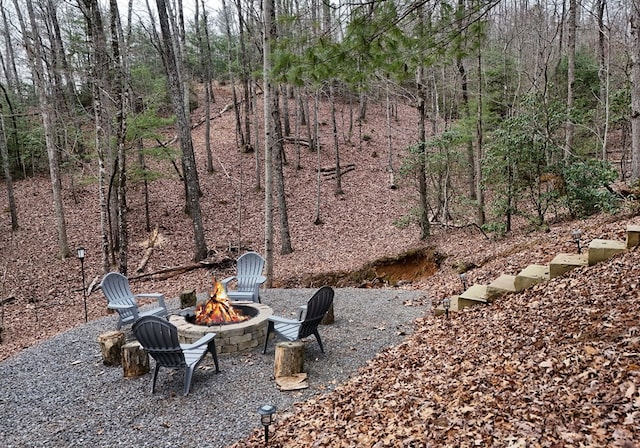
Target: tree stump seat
{"points": [[135, 360], [111, 344]]}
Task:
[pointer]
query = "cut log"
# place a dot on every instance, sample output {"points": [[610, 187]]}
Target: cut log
{"points": [[111, 344], [187, 298], [289, 358], [328, 318], [135, 361]]}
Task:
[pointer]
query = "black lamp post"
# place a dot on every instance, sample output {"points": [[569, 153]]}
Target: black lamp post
{"points": [[81, 254], [266, 418], [463, 279], [576, 235], [446, 303]]}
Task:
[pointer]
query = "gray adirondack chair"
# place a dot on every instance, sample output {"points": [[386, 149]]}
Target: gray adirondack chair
{"points": [[249, 278], [159, 338], [309, 317], [115, 287]]}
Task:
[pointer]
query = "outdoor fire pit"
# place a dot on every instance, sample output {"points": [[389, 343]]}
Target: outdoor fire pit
{"points": [[239, 326]]}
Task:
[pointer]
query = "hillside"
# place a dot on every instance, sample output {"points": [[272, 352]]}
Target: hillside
{"points": [[556, 365], [42, 295]]}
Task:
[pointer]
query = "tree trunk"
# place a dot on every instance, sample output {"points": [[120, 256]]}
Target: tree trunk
{"points": [[176, 87], [245, 67], [421, 169], [425, 226], [240, 140], [603, 75], [635, 92], [317, 220], [270, 35], [13, 81], [285, 237], [4, 154], [98, 73], [480, 220], [36, 62], [389, 136], [571, 78], [120, 94], [336, 146], [205, 64], [466, 113]]}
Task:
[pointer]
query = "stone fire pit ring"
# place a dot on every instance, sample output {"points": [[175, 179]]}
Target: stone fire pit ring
{"points": [[230, 338]]}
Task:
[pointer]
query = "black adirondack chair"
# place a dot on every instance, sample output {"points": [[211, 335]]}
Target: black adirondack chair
{"points": [[309, 317], [159, 338]]}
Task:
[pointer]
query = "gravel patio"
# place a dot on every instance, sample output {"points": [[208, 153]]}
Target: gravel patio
{"points": [[59, 393]]}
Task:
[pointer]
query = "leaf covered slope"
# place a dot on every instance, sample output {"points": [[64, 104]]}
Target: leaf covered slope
{"points": [[556, 365]]}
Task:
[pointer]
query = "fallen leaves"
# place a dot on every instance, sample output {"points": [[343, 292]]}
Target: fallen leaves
{"points": [[508, 374]]}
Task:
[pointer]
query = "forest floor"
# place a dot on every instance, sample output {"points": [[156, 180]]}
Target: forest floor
{"points": [[355, 245]]}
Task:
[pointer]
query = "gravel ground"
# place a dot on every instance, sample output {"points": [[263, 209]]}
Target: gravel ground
{"points": [[59, 393]]}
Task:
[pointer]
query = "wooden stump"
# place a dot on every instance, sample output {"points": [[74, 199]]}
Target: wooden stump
{"points": [[328, 318], [135, 361], [111, 344], [187, 298], [289, 358]]}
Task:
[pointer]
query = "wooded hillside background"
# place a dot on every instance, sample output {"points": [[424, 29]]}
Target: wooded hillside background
{"points": [[517, 109]]}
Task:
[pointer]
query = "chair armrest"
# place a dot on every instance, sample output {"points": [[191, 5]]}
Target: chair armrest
{"points": [[261, 279], [153, 295], [200, 342], [302, 312], [283, 320], [226, 281], [121, 306]]}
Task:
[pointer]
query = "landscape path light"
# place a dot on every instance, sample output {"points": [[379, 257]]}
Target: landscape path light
{"points": [[576, 235], [463, 279], [446, 303], [266, 418], [81, 254]]}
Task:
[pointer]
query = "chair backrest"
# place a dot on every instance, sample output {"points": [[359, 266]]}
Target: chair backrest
{"points": [[249, 268], [115, 287], [160, 339], [317, 307]]}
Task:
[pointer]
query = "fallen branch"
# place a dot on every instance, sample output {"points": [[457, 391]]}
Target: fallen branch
{"points": [[169, 272], [299, 141], [93, 284], [329, 175], [328, 170], [462, 226], [150, 243]]}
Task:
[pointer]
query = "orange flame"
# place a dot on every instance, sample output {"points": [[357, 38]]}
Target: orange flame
{"points": [[217, 309]]}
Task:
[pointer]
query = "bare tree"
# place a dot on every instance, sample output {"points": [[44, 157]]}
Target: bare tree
{"points": [[571, 78], [269, 37], [635, 91], [99, 81], [36, 60], [176, 87], [4, 155], [204, 51]]}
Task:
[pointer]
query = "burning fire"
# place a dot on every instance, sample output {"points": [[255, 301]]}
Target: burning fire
{"points": [[217, 309]]}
